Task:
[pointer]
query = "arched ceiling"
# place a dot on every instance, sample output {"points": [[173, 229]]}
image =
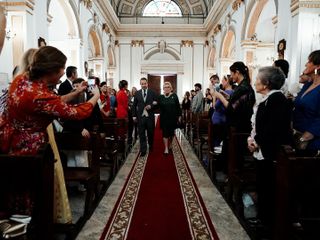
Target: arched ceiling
{"points": [[135, 7]]}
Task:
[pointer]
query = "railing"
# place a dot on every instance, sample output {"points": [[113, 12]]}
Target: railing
{"points": [[184, 19]]}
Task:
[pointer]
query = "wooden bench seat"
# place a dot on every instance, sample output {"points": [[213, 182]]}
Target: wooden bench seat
{"points": [[34, 174]]}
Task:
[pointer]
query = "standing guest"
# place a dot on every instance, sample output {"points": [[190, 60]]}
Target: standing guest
{"points": [[144, 103], [272, 129], [215, 82], [186, 105], [306, 124], [66, 86], [113, 101], [218, 119], [25, 61], [104, 103], [31, 107], [170, 114], [132, 126], [193, 93], [208, 101], [284, 66], [197, 101], [122, 100], [306, 114], [239, 107]]}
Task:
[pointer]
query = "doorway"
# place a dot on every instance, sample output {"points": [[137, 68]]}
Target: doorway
{"points": [[155, 82]]}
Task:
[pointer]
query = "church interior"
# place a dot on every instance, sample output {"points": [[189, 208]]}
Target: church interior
{"points": [[189, 193]]}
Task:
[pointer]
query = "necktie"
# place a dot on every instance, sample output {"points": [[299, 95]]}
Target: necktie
{"points": [[144, 93]]}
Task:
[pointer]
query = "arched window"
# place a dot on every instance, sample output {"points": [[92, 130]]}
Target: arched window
{"points": [[162, 8]]}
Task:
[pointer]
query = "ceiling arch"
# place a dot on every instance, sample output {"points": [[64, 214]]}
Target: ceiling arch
{"points": [[135, 7]]}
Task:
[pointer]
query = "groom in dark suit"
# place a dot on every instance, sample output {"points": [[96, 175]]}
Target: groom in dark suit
{"points": [[145, 101]]}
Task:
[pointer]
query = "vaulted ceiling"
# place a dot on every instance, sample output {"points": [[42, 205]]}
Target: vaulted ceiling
{"points": [[135, 7]]}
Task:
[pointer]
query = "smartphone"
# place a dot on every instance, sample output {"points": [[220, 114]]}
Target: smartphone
{"points": [[91, 82]]}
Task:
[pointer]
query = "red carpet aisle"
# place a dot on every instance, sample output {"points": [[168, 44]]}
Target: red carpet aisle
{"points": [[160, 201]]}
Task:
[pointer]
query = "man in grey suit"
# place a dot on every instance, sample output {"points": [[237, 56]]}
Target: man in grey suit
{"points": [[145, 101], [197, 101]]}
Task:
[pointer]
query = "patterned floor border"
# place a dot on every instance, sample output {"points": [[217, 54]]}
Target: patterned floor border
{"points": [[120, 223], [199, 226]]}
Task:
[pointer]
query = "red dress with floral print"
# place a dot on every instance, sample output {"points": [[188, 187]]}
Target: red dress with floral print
{"points": [[31, 107]]}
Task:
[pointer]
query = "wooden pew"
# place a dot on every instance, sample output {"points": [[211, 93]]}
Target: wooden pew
{"points": [[34, 174], [241, 169], [111, 145], [297, 184], [89, 176]]}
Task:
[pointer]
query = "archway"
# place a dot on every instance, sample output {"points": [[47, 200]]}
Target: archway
{"points": [[259, 33], [95, 54], [166, 64], [228, 51], [66, 38]]}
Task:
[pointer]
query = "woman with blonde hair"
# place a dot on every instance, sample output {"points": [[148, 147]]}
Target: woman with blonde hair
{"points": [[170, 114], [26, 61]]}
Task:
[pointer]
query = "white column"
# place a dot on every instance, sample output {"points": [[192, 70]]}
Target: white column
{"points": [[124, 64], [186, 52], [304, 39], [198, 65], [136, 58]]}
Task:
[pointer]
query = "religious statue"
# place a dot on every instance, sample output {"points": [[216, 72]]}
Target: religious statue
{"points": [[162, 46]]}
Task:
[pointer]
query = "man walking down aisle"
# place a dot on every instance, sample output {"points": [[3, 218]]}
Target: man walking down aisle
{"points": [[143, 107]]}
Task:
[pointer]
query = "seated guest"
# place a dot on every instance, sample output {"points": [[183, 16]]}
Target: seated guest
{"points": [[272, 129]]}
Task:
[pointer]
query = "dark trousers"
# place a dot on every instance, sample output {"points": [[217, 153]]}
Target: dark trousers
{"points": [[266, 191], [132, 127], [146, 123]]}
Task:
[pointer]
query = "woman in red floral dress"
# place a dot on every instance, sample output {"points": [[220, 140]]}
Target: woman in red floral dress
{"points": [[31, 106]]}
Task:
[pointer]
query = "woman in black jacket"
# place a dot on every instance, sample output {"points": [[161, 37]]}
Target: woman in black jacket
{"points": [[272, 129]]}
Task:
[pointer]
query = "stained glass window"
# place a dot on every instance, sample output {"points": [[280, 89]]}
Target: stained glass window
{"points": [[162, 8]]}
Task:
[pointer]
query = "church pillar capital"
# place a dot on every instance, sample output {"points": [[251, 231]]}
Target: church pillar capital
{"points": [[297, 5], [186, 43], [137, 43]]}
